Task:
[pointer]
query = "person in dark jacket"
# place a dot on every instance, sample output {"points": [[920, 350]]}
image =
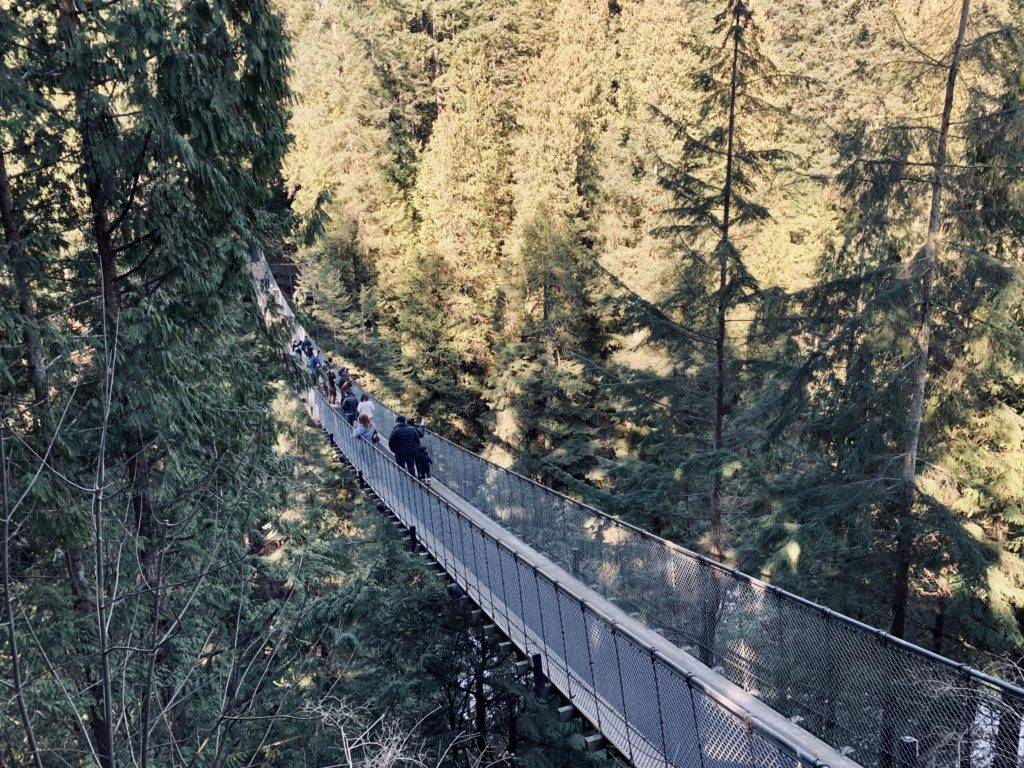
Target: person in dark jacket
{"points": [[423, 462], [404, 443], [348, 408]]}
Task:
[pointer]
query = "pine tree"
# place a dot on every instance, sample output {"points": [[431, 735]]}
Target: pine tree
{"points": [[542, 393], [713, 185], [138, 142]]}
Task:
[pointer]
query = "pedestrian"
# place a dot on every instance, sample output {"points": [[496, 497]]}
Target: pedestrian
{"points": [[343, 381], [329, 389], [423, 462], [404, 443], [365, 405], [365, 428], [316, 362], [348, 408]]}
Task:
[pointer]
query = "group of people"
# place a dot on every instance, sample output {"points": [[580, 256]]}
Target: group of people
{"points": [[405, 439], [336, 382]]}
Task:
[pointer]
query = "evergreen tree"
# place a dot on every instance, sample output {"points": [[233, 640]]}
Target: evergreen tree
{"points": [[137, 145], [713, 186], [543, 396]]}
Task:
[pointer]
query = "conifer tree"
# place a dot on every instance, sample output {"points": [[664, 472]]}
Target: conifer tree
{"points": [[713, 185], [543, 396], [137, 142]]}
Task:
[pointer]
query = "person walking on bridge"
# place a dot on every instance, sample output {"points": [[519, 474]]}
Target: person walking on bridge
{"points": [[405, 443], [348, 408], [365, 406], [365, 428]]}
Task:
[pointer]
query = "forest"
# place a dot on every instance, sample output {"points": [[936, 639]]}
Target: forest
{"points": [[746, 274]]}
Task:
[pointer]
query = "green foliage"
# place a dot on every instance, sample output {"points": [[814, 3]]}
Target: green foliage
{"points": [[532, 297]]}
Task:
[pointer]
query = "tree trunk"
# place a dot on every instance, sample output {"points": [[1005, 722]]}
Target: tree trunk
{"points": [[102, 714], [723, 285], [480, 700], [923, 267]]}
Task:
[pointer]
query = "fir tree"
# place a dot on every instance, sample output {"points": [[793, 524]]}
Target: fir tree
{"points": [[713, 186]]}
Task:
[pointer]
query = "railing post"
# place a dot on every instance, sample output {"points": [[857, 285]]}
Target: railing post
{"points": [[661, 712], [696, 721], [574, 560], [540, 612], [413, 541], [467, 568], [522, 601], [485, 579], [908, 752], [565, 650], [590, 663], [446, 515], [622, 692], [504, 588]]}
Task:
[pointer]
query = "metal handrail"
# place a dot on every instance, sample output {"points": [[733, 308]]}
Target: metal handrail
{"points": [[599, 606], [965, 669]]}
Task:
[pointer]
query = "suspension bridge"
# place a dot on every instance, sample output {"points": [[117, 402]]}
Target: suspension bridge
{"points": [[673, 658]]}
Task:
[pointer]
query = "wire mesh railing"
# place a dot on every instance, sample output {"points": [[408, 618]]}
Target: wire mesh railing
{"points": [[861, 690], [879, 699], [654, 712]]}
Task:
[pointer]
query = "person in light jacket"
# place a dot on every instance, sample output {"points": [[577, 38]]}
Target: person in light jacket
{"points": [[365, 406], [365, 428]]}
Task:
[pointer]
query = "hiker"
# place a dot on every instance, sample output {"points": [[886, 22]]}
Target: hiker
{"points": [[404, 443], [348, 408], [329, 389], [316, 362], [365, 428], [343, 381], [365, 405], [423, 462]]}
